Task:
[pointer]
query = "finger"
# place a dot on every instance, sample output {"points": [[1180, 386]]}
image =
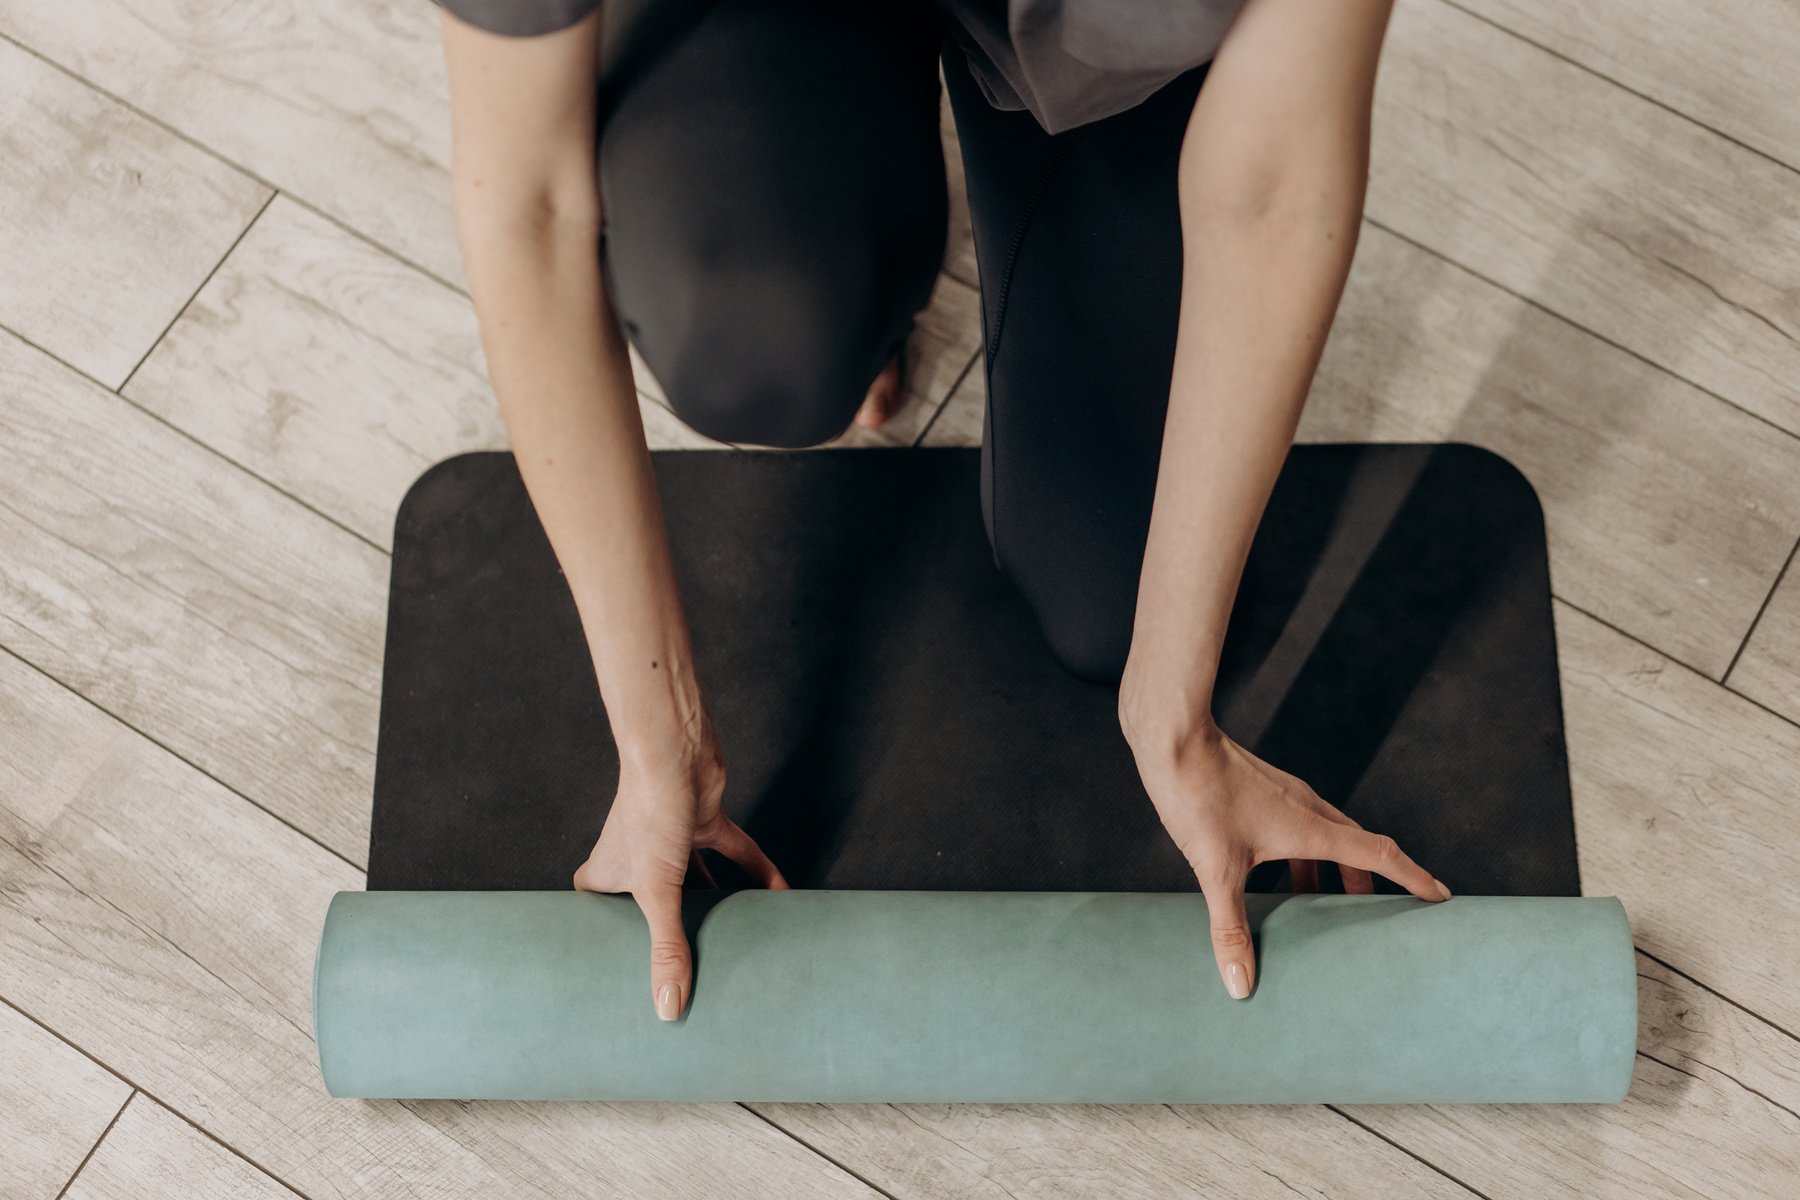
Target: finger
{"points": [[671, 964], [1377, 852], [1357, 882], [1232, 947], [1303, 875], [741, 848]]}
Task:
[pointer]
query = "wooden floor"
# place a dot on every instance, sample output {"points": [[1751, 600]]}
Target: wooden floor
{"points": [[233, 330]]}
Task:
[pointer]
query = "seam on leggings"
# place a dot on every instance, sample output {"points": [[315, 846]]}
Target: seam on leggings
{"points": [[1051, 170]]}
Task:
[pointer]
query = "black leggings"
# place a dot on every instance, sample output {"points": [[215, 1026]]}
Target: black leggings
{"points": [[774, 194]]}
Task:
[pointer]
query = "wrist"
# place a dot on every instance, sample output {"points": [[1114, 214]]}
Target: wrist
{"points": [[659, 720], [1166, 719], [661, 752]]}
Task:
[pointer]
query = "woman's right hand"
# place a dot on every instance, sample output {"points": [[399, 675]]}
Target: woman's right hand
{"points": [[667, 809]]}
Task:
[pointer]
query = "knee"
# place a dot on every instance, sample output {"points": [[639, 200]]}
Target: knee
{"points": [[1085, 617], [765, 355], [796, 387], [1090, 649], [1078, 578]]}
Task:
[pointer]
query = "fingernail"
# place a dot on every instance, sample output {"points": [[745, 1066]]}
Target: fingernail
{"points": [[668, 1002], [1236, 981], [1442, 890]]}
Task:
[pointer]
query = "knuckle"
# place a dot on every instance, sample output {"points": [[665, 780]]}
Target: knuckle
{"points": [[1231, 937], [664, 953], [1387, 850]]}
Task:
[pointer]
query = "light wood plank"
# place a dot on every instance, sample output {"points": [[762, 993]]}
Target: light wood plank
{"points": [[958, 423], [190, 599], [1728, 66], [107, 222], [1669, 512], [152, 1154], [168, 927], [54, 1105], [988, 1151], [1711, 1113], [1769, 670], [1684, 808], [344, 103], [327, 367], [1609, 210]]}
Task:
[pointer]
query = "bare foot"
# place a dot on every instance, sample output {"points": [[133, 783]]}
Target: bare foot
{"points": [[883, 398]]}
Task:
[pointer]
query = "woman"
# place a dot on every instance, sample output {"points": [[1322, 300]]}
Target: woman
{"points": [[753, 192]]}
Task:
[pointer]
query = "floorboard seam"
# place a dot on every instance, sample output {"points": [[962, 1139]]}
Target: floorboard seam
{"points": [[139, 1089], [1780, 575], [179, 757], [1715, 992], [800, 1141], [82, 1165], [195, 294], [1560, 56], [1410, 1153], [1564, 319]]}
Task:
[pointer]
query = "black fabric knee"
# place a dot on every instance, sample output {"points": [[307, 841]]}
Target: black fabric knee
{"points": [[1078, 240], [772, 183]]}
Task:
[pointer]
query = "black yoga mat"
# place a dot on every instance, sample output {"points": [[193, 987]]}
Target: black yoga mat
{"points": [[892, 718]]}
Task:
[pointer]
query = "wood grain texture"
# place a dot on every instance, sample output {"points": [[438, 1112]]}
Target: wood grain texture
{"points": [[221, 618], [107, 222], [1684, 809], [344, 103], [168, 927], [327, 367], [958, 422], [992, 1152], [1728, 66], [1605, 208], [54, 1105], [152, 1154], [1769, 670]]}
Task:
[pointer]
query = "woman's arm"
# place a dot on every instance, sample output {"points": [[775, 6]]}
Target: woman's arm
{"points": [[527, 206], [1273, 171]]}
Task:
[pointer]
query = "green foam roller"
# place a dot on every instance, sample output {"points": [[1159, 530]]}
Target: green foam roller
{"points": [[843, 996]]}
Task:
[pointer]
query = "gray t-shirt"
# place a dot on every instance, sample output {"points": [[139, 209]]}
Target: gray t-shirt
{"points": [[1074, 61], [1067, 61]]}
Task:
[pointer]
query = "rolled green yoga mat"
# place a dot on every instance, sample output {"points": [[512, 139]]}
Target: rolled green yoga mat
{"points": [[978, 996]]}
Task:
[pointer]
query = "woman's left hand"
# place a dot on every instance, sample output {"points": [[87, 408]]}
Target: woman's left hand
{"points": [[1228, 811]]}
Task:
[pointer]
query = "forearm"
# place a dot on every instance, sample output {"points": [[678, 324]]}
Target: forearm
{"points": [[1268, 231], [559, 367]]}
